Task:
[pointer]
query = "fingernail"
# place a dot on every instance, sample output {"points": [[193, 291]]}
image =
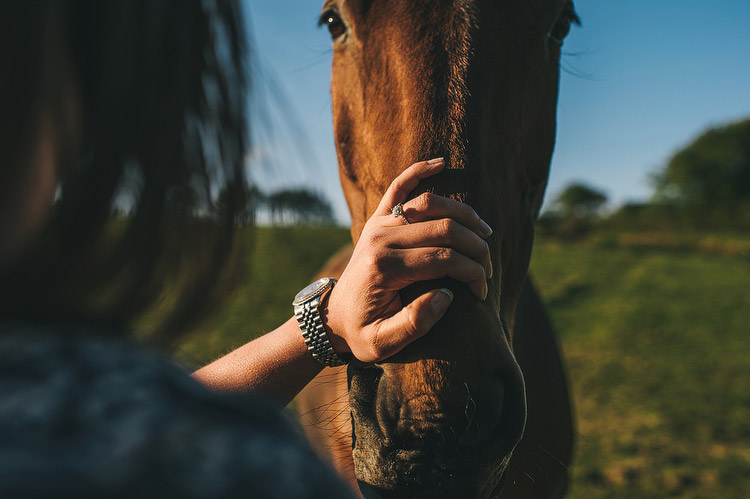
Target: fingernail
{"points": [[486, 229], [490, 271], [486, 291], [441, 300], [436, 160]]}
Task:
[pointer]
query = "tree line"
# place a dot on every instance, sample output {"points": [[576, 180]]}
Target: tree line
{"points": [[296, 206], [703, 186]]}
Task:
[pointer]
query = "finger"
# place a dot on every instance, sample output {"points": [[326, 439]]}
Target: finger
{"points": [[407, 266], [443, 233], [428, 206], [411, 322], [406, 182]]}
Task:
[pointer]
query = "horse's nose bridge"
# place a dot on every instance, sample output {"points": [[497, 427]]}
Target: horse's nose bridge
{"points": [[460, 364], [469, 340]]}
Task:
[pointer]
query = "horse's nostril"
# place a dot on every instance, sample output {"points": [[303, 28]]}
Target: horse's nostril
{"points": [[462, 417], [422, 418]]}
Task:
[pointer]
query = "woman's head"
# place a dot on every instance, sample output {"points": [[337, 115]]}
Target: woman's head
{"points": [[122, 140]]}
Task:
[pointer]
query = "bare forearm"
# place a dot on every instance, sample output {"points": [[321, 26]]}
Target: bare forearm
{"points": [[277, 364]]}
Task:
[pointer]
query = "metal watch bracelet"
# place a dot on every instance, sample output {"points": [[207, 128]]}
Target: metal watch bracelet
{"points": [[307, 312]]}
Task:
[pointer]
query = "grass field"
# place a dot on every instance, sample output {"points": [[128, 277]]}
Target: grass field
{"points": [[656, 344], [655, 340]]}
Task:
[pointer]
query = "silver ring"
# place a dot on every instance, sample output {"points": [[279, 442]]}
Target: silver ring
{"points": [[398, 211]]}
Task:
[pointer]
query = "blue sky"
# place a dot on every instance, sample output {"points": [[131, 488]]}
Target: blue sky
{"points": [[641, 79]]}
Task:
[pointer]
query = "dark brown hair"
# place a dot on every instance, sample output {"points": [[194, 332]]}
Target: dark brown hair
{"points": [[152, 186]]}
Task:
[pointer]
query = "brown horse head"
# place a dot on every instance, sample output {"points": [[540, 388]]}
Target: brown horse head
{"points": [[475, 81]]}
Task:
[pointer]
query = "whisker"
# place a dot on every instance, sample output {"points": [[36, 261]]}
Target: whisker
{"points": [[557, 459]]}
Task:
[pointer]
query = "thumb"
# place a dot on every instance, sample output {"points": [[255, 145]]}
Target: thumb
{"points": [[414, 320]]}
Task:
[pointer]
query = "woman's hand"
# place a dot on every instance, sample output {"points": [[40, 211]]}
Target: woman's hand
{"points": [[364, 313], [444, 238]]}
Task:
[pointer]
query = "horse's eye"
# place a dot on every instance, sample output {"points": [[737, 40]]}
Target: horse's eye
{"points": [[562, 27], [333, 22]]}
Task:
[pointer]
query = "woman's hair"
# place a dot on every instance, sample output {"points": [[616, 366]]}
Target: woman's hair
{"points": [[152, 184]]}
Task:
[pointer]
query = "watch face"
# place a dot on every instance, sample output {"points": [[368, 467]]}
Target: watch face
{"points": [[313, 290]]}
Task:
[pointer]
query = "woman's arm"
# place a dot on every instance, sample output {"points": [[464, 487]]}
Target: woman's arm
{"points": [[364, 314], [277, 364]]}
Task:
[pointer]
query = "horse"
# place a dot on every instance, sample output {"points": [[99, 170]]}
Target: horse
{"points": [[478, 407]]}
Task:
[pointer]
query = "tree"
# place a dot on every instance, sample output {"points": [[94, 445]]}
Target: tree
{"points": [[580, 201], [711, 175], [299, 206], [573, 212]]}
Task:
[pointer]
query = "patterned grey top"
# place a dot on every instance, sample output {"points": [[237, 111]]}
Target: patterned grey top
{"points": [[90, 416]]}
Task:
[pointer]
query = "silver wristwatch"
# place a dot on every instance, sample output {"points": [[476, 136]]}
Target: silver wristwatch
{"points": [[307, 311]]}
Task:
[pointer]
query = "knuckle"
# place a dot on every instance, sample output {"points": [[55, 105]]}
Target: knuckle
{"points": [[424, 201], [375, 238], [413, 322], [375, 349], [444, 255], [448, 227]]}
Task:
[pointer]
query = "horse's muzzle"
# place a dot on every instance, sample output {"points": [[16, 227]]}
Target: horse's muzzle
{"points": [[450, 441]]}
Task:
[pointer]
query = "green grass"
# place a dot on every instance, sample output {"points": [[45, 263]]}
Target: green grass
{"points": [[659, 365], [655, 340]]}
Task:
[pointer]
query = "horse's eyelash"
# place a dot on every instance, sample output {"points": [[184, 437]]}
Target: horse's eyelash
{"points": [[573, 16]]}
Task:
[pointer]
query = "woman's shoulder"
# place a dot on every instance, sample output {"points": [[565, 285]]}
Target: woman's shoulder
{"points": [[91, 415]]}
